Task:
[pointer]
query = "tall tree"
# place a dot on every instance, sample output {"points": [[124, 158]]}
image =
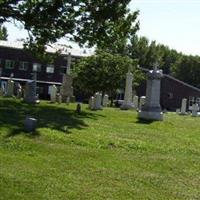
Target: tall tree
{"points": [[83, 21], [103, 72]]}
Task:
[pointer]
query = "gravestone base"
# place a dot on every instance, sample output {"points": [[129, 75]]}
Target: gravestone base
{"points": [[127, 106], [151, 113]]}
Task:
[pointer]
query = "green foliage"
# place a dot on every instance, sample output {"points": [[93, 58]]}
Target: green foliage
{"points": [[87, 21], [98, 155], [3, 33], [103, 72]]}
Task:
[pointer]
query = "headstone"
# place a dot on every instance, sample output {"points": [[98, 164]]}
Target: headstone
{"points": [[10, 88], [178, 110], [127, 103], [183, 107], [91, 103], [97, 101], [66, 88], [58, 98], [135, 102], [53, 93], [30, 124], [30, 92], [105, 100], [195, 109], [19, 91], [142, 102], [151, 110]]}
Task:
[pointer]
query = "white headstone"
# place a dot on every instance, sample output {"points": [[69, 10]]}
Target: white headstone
{"points": [[91, 103], [195, 109], [97, 101], [183, 107], [53, 93], [128, 104], [105, 100]]}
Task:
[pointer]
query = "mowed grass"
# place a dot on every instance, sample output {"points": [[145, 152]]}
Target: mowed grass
{"points": [[106, 154]]}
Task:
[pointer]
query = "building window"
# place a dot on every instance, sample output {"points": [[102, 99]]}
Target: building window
{"points": [[9, 64], [23, 66], [37, 67], [50, 69], [63, 70]]}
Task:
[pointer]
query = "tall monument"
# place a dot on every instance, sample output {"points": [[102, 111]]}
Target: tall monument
{"points": [[128, 104], [66, 88], [151, 110]]}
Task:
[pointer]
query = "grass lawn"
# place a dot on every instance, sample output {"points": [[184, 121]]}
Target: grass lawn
{"points": [[106, 154]]}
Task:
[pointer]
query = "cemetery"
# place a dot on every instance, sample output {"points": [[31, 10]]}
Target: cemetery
{"points": [[89, 109]]}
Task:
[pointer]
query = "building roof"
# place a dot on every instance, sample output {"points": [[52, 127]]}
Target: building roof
{"points": [[64, 50], [175, 79]]}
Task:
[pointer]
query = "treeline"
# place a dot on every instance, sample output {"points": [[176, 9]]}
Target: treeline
{"points": [[183, 67]]}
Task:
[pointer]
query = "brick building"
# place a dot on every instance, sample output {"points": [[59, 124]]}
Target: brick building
{"points": [[18, 62]]}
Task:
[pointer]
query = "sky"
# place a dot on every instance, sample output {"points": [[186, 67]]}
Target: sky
{"points": [[175, 23]]}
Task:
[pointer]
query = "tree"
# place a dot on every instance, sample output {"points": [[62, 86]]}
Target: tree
{"points": [[103, 72], [83, 21], [3, 33]]}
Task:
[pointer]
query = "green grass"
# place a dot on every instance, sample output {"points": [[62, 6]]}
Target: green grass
{"points": [[105, 154]]}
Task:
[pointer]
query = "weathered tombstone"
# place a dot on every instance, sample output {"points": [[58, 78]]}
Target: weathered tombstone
{"points": [[135, 102], [53, 93], [59, 98], [127, 103], [151, 110], [30, 92], [91, 103], [97, 101], [66, 88], [19, 91], [178, 111], [195, 109], [10, 88], [30, 124], [105, 100], [142, 101], [183, 107]]}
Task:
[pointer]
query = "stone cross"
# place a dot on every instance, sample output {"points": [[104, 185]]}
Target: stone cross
{"points": [[156, 66]]}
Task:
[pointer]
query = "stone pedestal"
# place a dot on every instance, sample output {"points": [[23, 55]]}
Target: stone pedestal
{"points": [[53, 93], [10, 88], [151, 110], [128, 104], [105, 100]]}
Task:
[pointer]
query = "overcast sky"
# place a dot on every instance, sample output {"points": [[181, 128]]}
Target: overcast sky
{"points": [[175, 23]]}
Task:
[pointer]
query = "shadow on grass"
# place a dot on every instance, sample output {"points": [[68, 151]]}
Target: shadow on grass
{"points": [[144, 121], [13, 114]]}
